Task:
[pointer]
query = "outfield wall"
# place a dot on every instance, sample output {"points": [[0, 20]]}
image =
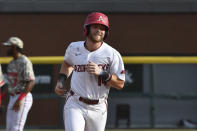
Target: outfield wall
{"points": [[48, 34]]}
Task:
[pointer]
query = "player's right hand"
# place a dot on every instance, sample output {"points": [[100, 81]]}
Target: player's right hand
{"points": [[93, 68], [59, 89]]}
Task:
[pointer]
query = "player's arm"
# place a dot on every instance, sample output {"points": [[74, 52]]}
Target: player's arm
{"points": [[115, 82], [66, 69], [28, 87], [65, 72], [110, 79]]}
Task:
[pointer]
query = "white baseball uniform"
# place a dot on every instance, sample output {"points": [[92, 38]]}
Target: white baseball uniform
{"points": [[78, 115], [19, 71]]}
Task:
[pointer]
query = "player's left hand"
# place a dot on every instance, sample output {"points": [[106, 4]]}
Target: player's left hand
{"points": [[59, 89], [93, 68], [17, 105]]}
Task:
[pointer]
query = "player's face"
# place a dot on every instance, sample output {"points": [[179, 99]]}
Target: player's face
{"points": [[97, 32]]}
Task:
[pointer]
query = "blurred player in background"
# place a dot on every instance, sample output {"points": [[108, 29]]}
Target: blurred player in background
{"points": [[20, 76], [96, 67]]}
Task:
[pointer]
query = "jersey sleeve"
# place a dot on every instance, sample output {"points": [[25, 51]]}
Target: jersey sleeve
{"points": [[117, 66], [68, 55], [28, 73]]}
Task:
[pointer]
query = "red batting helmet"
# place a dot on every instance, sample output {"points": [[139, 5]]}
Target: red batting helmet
{"points": [[96, 18]]}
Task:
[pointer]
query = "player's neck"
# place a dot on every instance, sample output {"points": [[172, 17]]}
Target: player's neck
{"points": [[17, 55], [92, 46]]}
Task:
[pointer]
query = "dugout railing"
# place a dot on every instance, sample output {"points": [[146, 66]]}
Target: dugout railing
{"points": [[152, 60]]}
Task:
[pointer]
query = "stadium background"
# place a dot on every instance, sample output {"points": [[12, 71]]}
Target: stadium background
{"points": [[158, 95]]}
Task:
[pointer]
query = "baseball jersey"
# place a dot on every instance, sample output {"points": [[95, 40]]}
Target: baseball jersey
{"points": [[19, 71], [1, 77], [88, 85]]}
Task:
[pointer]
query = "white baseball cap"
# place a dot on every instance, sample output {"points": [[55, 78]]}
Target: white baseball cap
{"points": [[14, 41]]}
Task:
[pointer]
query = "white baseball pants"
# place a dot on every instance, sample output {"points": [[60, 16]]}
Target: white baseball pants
{"points": [[15, 121], [79, 116]]}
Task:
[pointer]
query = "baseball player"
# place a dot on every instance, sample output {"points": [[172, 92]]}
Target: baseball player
{"points": [[20, 77], [96, 67]]}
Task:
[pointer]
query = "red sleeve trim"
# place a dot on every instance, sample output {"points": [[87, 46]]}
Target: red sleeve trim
{"points": [[22, 95]]}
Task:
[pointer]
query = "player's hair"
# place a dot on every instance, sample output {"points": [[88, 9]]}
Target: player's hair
{"points": [[88, 31]]}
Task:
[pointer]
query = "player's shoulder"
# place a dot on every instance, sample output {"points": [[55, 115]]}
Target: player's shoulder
{"points": [[25, 59], [77, 44], [109, 48]]}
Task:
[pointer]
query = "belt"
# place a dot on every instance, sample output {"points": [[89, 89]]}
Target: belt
{"points": [[85, 100]]}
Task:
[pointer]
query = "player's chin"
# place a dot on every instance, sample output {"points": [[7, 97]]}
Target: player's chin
{"points": [[97, 38]]}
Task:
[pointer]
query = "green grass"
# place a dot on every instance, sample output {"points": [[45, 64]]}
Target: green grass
{"points": [[130, 130], [117, 130]]}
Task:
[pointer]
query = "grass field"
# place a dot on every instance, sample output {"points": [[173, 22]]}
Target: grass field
{"points": [[131, 130], [118, 130]]}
